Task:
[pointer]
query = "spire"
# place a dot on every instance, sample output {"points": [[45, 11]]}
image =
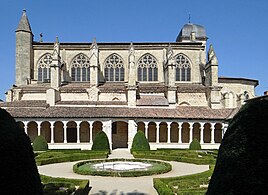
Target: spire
{"points": [[24, 24], [212, 56]]}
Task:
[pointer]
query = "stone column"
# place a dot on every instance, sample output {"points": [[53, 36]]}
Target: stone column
{"points": [[180, 132], [90, 131], [224, 128], [212, 133], [107, 128], [25, 123], [191, 132], [202, 133], [65, 131], [78, 131], [132, 130], [38, 128], [52, 132], [157, 132], [168, 132], [146, 129]]}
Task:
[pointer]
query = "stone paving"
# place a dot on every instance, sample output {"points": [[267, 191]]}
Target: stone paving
{"points": [[118, 185]]}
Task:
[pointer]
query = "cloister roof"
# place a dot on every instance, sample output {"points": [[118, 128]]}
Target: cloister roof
{"points": [[41, 110]]}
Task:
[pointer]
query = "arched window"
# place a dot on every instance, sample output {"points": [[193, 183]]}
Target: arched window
{"points": [[80, 68], [183, 68], [44, 68], [147, 68], [114, 68]]}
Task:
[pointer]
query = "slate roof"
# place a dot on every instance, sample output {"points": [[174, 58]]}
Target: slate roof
{"points": [[152, 100], [24, 24]]}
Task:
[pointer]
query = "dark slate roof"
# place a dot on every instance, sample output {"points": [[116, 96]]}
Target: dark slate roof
{"points": [[152, 100], [238, 80], [24, 24], [187, 29], [180, 112]]}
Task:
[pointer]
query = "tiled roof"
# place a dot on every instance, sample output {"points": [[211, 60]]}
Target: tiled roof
{"points": [[152, 100], [190, 88], [151, 87], [25, 104], [91, 103], [181, 112]]}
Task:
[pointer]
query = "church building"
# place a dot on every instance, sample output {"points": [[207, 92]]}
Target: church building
{"points": [[68, 92]]}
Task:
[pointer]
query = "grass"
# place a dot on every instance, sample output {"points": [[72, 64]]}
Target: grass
{"points": [[56, 156]]}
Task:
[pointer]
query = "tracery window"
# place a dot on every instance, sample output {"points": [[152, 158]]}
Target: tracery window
{"points": [[147, 68], [44, 68], [183, 68], [80, 68], [114, 68]]}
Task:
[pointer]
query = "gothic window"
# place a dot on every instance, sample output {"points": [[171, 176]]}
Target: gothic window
{"points": [[44, 68], [147, 68], [80, 68], [183, 68], [114, 68]]}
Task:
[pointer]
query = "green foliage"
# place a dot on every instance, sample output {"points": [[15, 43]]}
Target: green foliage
{"points": [[40, 144], [140, 142], [19, 174], [188, 156], [83, 188], [195, 145], [161, 187], [184, 185], [58, 188], [101, 142], [85, 168], [58, 156]]}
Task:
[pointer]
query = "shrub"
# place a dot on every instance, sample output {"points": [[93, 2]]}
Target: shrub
{"points": [[195, 145], [101, 142], [161, 187], [40, 144], [140, 142], [19, 174]]}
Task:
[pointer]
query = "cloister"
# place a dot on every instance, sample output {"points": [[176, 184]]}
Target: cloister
{"points": [[79, 134]]}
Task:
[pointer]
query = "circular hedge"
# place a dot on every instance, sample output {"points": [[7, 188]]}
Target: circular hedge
{"points": [[85, 168]]}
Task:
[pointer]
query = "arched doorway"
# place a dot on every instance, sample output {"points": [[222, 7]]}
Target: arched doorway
{"points": [[119, 134]]}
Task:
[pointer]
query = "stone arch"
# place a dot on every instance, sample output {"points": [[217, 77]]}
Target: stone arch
{"points": [[32, 130], [119, 134], [71, 132], [163, 132], [184, 104], [196, 131], [21, 124], [96, 128], [46, 131], [141, 127], [218, 132], [174, 132], [152, 132], [207, 133], [185, 128], [84, 132], [58, 132]]}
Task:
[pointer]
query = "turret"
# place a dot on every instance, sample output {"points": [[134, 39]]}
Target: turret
{"points": [[24, 51]]}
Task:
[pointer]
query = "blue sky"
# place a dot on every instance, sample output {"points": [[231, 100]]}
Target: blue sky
{"points": [[237, 29]]}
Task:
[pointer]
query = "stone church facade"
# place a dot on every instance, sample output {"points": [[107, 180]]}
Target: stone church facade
{"points": [[68, 92]]}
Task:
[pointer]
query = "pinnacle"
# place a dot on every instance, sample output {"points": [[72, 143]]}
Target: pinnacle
{"points": [[24, 24]]}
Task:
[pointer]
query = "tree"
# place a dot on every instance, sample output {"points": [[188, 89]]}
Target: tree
{"points": [[40, 144], [19, 174], [101, 142], [140, 142]]}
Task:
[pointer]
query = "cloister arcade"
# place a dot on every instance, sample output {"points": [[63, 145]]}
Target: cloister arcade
{"points": [[81, 133]]}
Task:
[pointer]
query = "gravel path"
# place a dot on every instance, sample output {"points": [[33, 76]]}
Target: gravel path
{"points": [[117, 185]]}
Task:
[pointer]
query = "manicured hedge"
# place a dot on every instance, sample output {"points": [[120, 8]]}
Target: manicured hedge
{"points": [[101, 142], [165, 167], [161, 187], [195, 145], [140, 142], [40, 144], [58, 188], [58, 156]]}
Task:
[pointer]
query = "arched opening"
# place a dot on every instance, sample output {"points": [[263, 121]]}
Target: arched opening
{"points": [[218, 133], [207, 133], [185, 132], [152, 132], [71, 132], [141, 127], [196, 131], [174, 132], [84, 132], [119, 134], [45, 131], [163, 132], [32, 130], [58, 132], [97, 127], [21, 125]]}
